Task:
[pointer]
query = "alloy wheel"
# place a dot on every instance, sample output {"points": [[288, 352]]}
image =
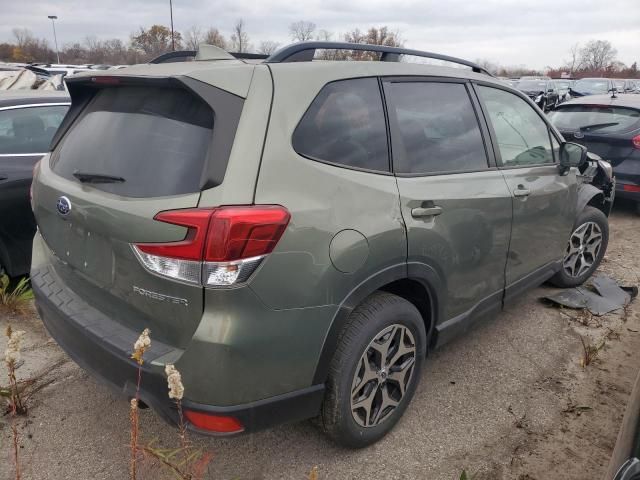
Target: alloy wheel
{"points": [[583, 249], [382, 375]]}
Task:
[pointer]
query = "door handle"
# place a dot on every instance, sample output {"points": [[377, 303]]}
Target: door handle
{"points": [[521, 192], [426, 212]]}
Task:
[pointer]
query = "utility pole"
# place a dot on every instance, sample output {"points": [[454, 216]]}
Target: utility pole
{"points": [[53, 18], [173, 42]]}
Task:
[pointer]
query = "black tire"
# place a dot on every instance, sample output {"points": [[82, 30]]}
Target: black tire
{"points": [[380, 311], [563, 278], [543, 105]]}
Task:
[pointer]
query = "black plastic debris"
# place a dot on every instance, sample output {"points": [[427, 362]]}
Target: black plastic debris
{"points": [[607, 297]]}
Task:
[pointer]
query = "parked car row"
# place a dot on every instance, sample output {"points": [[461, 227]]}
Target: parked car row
{"points": [[548, 93]]}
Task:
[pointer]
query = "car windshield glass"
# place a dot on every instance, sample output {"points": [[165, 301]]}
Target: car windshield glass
{"points": [[591, 86], [532, 85], [600, 119]]}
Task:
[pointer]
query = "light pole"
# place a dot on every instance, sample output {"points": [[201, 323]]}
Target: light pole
{"points": [[55, 38], [173, 43]]}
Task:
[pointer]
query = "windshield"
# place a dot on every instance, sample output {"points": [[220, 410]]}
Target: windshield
{"points": [[594, 85], [529, 85], [600, 119]]}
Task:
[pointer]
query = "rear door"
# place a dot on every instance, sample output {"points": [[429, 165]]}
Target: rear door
{"points": [[25, 135], [134, 150], [455, 203], [544, 202]]}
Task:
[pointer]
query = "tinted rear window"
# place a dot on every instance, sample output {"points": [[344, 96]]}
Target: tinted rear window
{"points": [[155, 138], [345, 125], [600, 119]]}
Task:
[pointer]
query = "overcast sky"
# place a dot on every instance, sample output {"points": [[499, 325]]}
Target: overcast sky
{"points": [[535, 33]]}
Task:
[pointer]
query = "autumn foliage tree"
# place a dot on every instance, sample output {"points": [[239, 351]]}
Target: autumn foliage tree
{"points": [[155, 40]]}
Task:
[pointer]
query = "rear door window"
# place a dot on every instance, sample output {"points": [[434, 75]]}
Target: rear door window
{"points": [[29, 130], [345, 125], [596, 118], [156, 139], [438, 130]]}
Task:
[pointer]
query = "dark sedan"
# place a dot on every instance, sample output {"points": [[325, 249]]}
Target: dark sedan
{"points": [[543, 92], [28, 121], [608, 126]]}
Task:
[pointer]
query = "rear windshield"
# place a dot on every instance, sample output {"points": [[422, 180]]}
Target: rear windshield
{"points": [[155, 139], [601, 119], [591, 86]]}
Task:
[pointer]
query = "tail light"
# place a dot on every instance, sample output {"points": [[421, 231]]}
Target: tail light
{"points": [[636, 141], [223, 246]]}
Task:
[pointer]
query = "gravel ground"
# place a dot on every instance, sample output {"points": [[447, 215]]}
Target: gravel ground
{"points": [[509, 400]]}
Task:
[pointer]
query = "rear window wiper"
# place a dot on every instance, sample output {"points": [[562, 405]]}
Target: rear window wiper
{"points": [[598, 125], [97, 178]]}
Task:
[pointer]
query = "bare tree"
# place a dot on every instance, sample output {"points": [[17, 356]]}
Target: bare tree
{"points": [[22, 36], [267, 47], [214, 37], [240, 38], [597, 55], [373, 36], [302, 31], [324, 36], [193, 37], [574, 61]]}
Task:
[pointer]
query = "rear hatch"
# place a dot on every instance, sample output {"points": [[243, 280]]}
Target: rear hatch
{"points": [[606, 130], [130, 148]]}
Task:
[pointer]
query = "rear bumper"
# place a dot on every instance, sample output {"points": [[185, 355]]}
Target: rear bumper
{"points": [[103, 347]]}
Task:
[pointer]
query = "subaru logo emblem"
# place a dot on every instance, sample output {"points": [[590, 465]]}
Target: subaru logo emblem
{"points": [[63, 205], [578, 135]]}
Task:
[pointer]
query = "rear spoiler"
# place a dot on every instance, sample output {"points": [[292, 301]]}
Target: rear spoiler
{"points": [[188, 55]]}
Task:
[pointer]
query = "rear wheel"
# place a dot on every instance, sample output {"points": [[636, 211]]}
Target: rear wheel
{"points": [[375, 370], [587, 245]]}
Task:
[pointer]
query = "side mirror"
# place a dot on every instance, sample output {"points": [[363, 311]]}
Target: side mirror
{"points": [[571, 155]]}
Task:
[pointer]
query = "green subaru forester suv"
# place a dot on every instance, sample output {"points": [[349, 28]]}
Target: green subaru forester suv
{"points": [[299, 233]]}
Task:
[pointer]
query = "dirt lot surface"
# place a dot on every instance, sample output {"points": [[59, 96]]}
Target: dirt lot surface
{"points": [[509, 400]]}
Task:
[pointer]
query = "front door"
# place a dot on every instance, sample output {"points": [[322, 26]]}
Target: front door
{"points": [[544, 202]]}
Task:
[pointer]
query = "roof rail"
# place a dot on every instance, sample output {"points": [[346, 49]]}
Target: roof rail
{"points": [[186, 55], [305, 51]]}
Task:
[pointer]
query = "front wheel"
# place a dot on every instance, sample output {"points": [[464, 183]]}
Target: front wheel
{"points": [[375, 370], [587, 245]]}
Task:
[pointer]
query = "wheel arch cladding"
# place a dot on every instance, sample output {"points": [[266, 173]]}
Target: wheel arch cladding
{"points": [[590, 195], [417, 291]]}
